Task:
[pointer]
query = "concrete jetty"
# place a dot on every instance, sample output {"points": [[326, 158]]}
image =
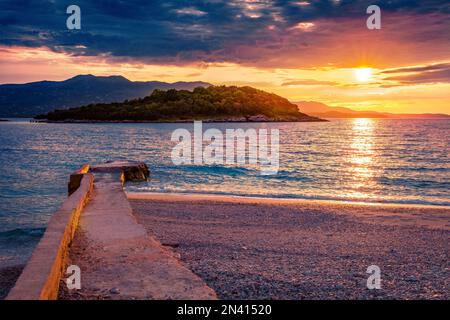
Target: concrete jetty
{"points": [[96, 231]]}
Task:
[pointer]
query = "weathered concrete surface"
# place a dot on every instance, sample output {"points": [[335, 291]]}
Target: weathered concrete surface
{"points": [[41, 276], [118, 259], [75, 178], [131, 170]]}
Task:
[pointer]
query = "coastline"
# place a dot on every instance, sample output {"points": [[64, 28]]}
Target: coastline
{"points": [[424, 216], [246, 248], [250, 199], [274, 248], [176, 121]]}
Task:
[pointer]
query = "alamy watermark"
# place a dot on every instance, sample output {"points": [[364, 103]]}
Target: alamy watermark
{"points": [[374, 21], [74, 20], [73, 281], [374, 280], [236, 146]]}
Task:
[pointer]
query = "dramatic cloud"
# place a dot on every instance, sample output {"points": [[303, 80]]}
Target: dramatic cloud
{"points": [[265, 33], [437, 73], [431, 67], [191, 11], [309, 82]]}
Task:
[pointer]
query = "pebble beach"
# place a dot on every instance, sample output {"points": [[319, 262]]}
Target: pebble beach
{"points": [[246, 248]]}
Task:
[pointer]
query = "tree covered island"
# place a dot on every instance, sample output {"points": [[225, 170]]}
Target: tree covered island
{"points": [[214, 103]]}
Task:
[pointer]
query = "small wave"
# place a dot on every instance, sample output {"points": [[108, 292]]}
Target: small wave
{"points": [[166, 190], [220, 170], [418, 183], [21, 235], [285, 175]]}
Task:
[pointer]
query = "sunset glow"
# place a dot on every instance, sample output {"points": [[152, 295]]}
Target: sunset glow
{"points": [[225, 150], [363, 74], [324, 56]]}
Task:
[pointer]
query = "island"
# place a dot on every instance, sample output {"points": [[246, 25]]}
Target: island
{"points": [[3, 120], [211, 104]]}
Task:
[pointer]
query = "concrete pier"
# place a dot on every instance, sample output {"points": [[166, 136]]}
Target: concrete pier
{"points": [[117, 258]]}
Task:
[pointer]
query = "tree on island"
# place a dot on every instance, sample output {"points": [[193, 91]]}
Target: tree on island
{"points": [[214, 103]]}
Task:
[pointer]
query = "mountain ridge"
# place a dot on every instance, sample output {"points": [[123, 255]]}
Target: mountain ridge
{"points": [[321, 110], [39, 97], [33, 98]]}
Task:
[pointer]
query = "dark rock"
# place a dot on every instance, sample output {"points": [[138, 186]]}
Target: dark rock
{"points": [[114, 291]]}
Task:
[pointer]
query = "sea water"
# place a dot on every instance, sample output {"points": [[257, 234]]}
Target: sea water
{"points": [[364, 160]]}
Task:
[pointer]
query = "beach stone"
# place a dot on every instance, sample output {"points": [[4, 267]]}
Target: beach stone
{"points": [[412, 279], [114, 291]]}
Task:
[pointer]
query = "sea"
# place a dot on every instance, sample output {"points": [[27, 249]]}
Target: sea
{"points": [[360, 160]]}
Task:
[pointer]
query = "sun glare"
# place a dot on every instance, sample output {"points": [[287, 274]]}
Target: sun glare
{"points": [[363, 74]]}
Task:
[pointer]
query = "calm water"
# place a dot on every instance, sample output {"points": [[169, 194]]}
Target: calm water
{"points": [[395, 161]]}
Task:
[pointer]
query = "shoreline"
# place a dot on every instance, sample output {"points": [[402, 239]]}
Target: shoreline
{"points": [[177, 196], [174, 121], [245, 233], [246, 248]]}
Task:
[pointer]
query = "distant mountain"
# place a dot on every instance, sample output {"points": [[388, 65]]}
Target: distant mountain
{"points": [[212, 104], [30, 99], [321, 110]]}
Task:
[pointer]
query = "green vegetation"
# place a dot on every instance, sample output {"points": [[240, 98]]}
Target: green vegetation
{"points": [[215, 103]]}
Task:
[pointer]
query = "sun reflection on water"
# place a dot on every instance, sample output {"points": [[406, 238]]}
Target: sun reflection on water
{"points": [[361, 158]]}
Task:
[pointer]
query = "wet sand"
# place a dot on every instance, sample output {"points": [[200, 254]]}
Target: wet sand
{"points": [[246, 248]]}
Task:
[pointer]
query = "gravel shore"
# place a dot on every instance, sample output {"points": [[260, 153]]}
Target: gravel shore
{"points": [[8, 277], [251, 249]]}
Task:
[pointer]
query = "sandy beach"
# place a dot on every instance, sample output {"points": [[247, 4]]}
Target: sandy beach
{"points": [[254, 248]]}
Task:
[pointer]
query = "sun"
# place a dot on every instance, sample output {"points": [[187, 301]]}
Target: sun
{"points": [[363, 74]]}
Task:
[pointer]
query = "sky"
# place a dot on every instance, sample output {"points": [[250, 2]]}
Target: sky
{"points": [[303, 50]]}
